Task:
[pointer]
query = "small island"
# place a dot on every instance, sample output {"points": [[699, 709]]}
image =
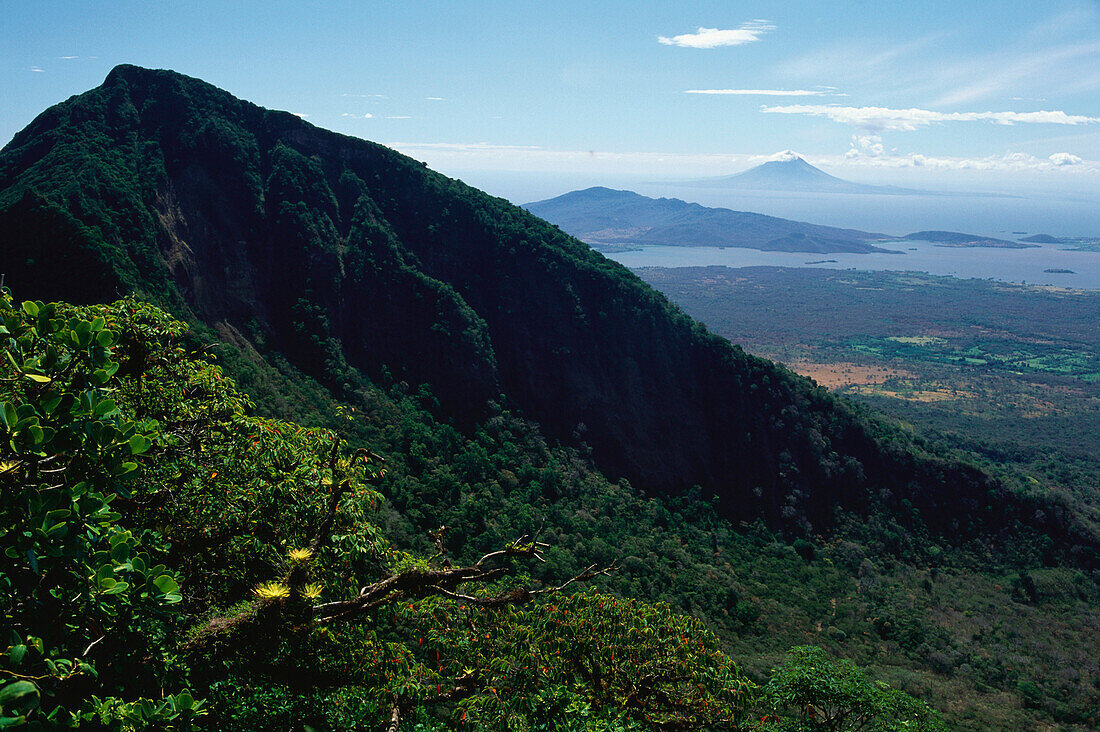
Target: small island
{"points": [[1075, 243], [1057, 270], [958, 239]]}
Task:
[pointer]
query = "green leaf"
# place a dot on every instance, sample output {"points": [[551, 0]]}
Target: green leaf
{"points": [[21, 695], [16, 654], [39, 378], [125, 469], [117, 588], [8, 415], [82, 334], [166, 584], [30, 308], [120, 552], [139, 444], [50, 402], [57, 530], [56, 515]]}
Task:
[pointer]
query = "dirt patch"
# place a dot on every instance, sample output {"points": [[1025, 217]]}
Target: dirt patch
{"points": [[922, 395], [846, 373]]}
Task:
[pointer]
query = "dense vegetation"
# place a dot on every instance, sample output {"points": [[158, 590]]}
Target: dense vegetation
{"points": [[1001, 375], [173, 561], [515, 384]]}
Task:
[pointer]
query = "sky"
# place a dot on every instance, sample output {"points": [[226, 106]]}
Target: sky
{"points": [[993, 94]]}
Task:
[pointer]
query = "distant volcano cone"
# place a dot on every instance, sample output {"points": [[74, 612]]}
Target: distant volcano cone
{"points": [[787, 171]]}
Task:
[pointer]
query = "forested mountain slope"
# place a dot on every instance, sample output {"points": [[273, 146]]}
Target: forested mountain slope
{"points": [[343, 259]]}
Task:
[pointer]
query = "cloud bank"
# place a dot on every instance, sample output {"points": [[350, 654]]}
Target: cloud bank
{"points": [[884, 118], [761, 92], [715, 38], [1062, 159], [868, 151]]}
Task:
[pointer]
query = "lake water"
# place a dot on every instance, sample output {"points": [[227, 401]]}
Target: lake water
{"points": [[996, 216], [1006, 265]]}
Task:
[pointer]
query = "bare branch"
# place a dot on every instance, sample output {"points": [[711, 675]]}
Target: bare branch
{"points": [[517, 548], [417, 583], [439, 536], [411, 582], [92, 644], [591, 572], [514, 597], [395, 717]]}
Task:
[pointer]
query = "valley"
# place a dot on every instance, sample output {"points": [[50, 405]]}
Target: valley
{"points": [[975, 362], [434, 381], [1007, 376]]}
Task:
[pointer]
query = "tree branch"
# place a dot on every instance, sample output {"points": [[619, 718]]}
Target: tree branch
{"points": [[418, 583], [339, 488], [395, 717]]}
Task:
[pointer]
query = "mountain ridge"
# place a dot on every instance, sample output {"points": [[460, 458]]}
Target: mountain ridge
{"points": [[603, 216], [346, 260]]}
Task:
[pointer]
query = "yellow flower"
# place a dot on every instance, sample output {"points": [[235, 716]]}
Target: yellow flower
{"points": [[271, 591], [300, 555], [312, 590]]}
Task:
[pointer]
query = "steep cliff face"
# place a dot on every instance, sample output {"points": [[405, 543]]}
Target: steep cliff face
{"points": [[334, 252]]}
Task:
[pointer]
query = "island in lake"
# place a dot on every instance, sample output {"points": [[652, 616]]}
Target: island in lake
{"points": [[958, 239], [1058, 270], [1077, 243]]}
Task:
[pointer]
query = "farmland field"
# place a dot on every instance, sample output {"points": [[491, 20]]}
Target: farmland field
{"points": [[1008, 374]]}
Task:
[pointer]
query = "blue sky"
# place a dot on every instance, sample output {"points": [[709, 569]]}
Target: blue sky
{"points": [[1000, 92]]}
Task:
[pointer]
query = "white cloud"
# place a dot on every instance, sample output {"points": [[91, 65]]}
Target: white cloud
{"points": [[365, 96], [302, 115], [435, 99], [884, 118], [714, 37], [484, 156], [784, 157], [866, 146], [399, 116], [867, 151], [367, 115], [1061, 159], [761, 92], [37, 70]]}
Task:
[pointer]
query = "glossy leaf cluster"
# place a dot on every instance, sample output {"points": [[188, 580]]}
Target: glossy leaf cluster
{"points": [[81, 592]]}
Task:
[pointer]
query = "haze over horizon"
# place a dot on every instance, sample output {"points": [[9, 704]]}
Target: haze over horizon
{"points": [[930, 95]]}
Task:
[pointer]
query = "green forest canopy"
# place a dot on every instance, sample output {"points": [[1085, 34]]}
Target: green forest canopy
{"points": [[172, 560]]}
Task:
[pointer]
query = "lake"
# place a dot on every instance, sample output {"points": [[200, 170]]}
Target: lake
{"points": [[1006, 265]]}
